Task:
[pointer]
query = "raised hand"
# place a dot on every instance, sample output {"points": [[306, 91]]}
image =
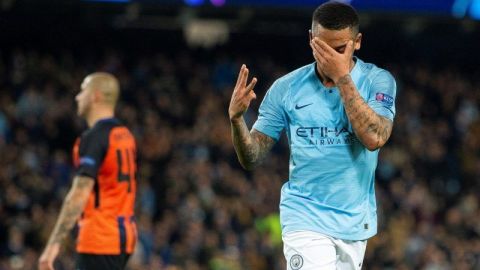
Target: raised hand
{"points": [[334, 64], [242, 95]]}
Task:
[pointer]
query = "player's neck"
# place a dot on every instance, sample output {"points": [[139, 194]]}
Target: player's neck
{"points": [[99, 114]]}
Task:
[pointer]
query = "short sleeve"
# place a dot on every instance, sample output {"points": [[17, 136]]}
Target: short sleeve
{"points": [[271, 115], [92, 150], [383, 92]]}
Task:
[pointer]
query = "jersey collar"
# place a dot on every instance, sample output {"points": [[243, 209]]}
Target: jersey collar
{"points": [[106, 120], [357, 69]]}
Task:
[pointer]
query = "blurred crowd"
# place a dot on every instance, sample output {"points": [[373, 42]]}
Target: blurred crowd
{"points": [[196, 208]]}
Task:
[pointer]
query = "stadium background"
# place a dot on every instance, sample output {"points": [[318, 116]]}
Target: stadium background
{"points": [[177, 63]]}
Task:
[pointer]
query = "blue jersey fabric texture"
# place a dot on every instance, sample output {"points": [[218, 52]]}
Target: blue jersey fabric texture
{"points": [[331, 187]]}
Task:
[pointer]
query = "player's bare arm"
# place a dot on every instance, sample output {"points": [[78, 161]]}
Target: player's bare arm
{"points": [[251, 146], [372, 129], [72, 208]]}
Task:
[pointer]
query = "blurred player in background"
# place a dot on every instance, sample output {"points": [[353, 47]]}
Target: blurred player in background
{"points": [[337, 113], [102, 195]]}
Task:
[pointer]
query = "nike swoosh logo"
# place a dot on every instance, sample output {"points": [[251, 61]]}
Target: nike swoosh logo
{"points": [[303, 106]]}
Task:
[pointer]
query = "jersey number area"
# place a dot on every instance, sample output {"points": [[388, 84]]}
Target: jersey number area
{"points": [[126, 165]]}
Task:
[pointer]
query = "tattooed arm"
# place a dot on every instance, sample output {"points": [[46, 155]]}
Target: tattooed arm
{"points": [[72, 207], [251, 146], [372, 129]]}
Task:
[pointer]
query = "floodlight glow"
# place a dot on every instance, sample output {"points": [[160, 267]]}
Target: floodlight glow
{"points": [[217, 3], [109, 1], [193, 2], [475, 9]]}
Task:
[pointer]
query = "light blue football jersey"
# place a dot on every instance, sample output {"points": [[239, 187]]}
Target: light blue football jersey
{"points": [[331, 175]]}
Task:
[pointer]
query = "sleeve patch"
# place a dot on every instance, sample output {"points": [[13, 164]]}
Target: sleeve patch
{"points": [[385, 99], [87, 161]]}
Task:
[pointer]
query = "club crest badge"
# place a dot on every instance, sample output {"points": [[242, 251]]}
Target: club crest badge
{"points": [[296, 262]]}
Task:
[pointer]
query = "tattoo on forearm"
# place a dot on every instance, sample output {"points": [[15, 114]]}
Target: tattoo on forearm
{"points": [[251, 147], [71, 209], [372, 129], [264, 144]]}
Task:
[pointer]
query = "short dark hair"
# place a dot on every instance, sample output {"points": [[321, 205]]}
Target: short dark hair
{"points": [[336, 16]]}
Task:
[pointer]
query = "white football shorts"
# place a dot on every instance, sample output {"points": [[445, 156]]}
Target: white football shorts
{"points": [[306, 250]]}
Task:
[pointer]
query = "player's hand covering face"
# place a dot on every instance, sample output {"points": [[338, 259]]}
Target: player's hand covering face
{"points": [[333, 51], [242, 95], [332, 64]]}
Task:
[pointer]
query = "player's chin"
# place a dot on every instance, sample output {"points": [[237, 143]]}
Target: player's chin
{"points": [[329, 84]]}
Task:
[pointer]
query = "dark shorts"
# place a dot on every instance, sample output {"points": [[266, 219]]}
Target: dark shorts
{"points": [[101, 262]]}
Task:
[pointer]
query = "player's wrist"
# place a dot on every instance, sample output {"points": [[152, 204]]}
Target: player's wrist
{"points": [[342, 79], [236, 119]]}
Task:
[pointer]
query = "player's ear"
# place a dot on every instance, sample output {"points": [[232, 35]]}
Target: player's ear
{"points": [[358, 42], [97, 95]]}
